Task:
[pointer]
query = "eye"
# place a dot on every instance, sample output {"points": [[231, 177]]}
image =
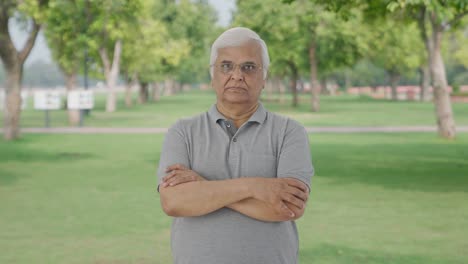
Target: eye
{"points": [[248, 68], [226, 67]]}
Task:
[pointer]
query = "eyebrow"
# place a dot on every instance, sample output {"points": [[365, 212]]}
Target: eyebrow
{"points": [[245, 62]]}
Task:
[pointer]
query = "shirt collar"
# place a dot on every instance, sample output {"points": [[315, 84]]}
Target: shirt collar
{"points": [[259, 116]]}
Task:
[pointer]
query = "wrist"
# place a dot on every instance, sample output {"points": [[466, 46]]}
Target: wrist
{"points": [[251, 184]]}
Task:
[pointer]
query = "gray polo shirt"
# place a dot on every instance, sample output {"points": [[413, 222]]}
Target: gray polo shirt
{"points": [[267, 145]]}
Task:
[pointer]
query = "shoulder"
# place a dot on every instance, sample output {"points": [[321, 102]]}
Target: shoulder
{"points": [[188, 124], [283, 123]]}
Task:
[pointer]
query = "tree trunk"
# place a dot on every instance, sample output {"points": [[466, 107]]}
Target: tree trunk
{"points": [[156, 92], [111, 73], [394, 80], [314, 83], [186, 87], [177, 87], [144, 93], [443, 105], [425, 68], [424, 82], [347, 79], [275, 87], [12, 110], [269, 90], [130, 82], [282, 91], [323, 86], [169, 87], [13, 61], [73, 114], [293, 83], [128, 94]]}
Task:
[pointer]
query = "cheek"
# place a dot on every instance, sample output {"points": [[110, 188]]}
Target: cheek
{"points": [[218, 81], [259, 83]]}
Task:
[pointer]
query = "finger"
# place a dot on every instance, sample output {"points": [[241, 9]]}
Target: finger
{"points": [[176, 166], [297, 183], [292, 207], [298, 193], [294, 200], [169, 175], [285, 210], [174, 178], [180, 179]]}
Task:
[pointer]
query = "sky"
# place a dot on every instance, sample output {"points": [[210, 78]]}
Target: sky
{"points": [[42, 52]]}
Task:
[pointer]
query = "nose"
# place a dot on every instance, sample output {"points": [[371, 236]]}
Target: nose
{"points": [[237, 74]]}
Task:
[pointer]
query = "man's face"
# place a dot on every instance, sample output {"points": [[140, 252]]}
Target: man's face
{"points": [[238, 74]]}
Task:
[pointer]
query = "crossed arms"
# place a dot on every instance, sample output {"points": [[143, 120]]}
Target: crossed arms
{"points": [[186, 193]]}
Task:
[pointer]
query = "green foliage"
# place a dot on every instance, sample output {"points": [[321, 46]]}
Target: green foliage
{"points": [[66, 33], [365, 73], [34, 9], [192, 24], [443, 11], [396, 47], [289, 30], [148, 46], [278, 25], [109, 21], [171, 39]]}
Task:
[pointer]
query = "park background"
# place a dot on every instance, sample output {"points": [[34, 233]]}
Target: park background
{"points": [[391, 181]]}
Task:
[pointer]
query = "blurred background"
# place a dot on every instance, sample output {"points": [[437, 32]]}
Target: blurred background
{"points": [[89, 87]]}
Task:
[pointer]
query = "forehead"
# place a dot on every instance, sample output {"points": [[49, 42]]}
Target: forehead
{"points": [[250, 51]]}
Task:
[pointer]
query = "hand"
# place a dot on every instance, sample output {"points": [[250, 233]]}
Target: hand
{"points": [[281, 192], [178, 174]]}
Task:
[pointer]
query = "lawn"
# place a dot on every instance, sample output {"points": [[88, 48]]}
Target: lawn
{"points": [[344, 110], [376, 198]]}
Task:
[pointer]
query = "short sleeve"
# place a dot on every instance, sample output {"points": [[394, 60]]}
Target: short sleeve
{"points": [[295, 158], [174, 151]]}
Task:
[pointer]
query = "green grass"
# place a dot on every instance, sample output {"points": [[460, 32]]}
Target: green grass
{"points": [[376, 198], [342, 110]]}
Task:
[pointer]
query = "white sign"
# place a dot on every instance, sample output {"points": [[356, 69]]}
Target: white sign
{"points": [[24, 100], [83, 99], [46, 100]]}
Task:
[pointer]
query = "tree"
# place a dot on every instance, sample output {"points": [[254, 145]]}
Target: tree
{"points": [[195, 22], [65, 32], [110, 21], [435, 18], [278, 26], [150, 49], [396, 48], [32, 12], [304, 37]]}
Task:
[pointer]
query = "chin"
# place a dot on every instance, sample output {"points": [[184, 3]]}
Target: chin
{"points": [[231, 100]]}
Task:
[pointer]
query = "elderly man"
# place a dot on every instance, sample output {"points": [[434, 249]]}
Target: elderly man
{"points": [[236, 177]]}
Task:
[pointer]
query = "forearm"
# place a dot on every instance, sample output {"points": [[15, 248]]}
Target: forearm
{"points": [[259, 210], [202, 197]]}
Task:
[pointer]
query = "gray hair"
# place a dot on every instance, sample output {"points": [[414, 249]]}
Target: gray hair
{"points": [[235, 37]]}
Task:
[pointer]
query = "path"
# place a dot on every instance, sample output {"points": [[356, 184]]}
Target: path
{"points": [[156, 130]]}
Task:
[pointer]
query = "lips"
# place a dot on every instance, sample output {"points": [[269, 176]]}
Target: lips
{"points": [[235, 88]]}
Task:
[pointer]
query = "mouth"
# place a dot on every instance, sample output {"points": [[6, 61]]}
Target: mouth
{"points": [[235, 88]]}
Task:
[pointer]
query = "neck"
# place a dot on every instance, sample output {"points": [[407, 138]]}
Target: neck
{"points": [[238, 113]]}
